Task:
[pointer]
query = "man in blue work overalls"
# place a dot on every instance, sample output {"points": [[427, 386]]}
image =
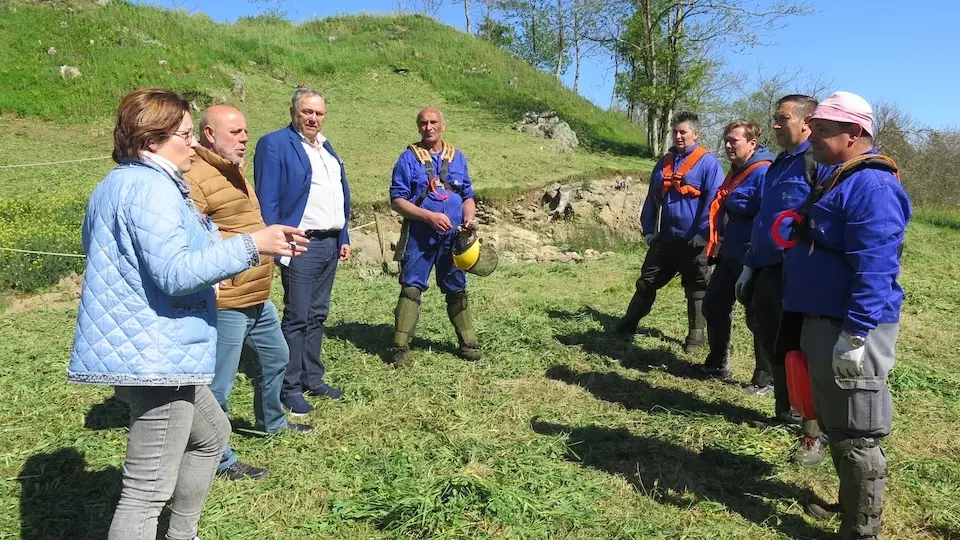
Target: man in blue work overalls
{"points": [[840, 282], [431, 189]]}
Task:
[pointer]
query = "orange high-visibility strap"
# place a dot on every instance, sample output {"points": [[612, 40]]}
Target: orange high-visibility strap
{"points": [[674, 180], [730, 183]]}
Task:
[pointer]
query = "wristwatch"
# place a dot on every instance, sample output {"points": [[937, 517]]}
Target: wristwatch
{"points": [[855, 341]]}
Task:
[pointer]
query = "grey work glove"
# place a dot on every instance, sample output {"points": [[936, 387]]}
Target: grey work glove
{"points": [[698, 241], [648, 238], [740, 289]]}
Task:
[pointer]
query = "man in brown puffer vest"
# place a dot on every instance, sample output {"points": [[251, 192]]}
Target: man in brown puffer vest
{"points": [[247, 321]]}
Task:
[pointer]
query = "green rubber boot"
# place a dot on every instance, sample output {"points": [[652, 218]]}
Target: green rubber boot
{"points": [[405, 316], [458, 309]]}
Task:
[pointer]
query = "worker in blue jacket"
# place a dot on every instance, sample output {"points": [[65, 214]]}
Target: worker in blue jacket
{"points": [[431, 189], [731, 218], [674, 224], [842, 277], [786, 185]]}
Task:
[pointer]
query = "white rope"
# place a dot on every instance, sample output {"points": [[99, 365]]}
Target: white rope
{"points": [[53, 162], [84, 256], [43, 252], [363, 226]]}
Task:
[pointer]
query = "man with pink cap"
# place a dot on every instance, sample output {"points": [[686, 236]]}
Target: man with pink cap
{"points": [[842, 277]]}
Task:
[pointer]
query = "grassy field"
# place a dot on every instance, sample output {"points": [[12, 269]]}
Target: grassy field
{"points": [[562, 431], [376, 72]]}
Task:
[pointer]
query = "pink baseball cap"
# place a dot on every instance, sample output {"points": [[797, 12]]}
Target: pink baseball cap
{"points": [[846, 107]]}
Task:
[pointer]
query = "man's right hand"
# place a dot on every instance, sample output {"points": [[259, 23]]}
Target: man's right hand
{"points": [[438, 220], [648, 238]]}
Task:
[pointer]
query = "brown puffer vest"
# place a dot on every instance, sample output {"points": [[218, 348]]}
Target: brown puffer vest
{"points": [[220, 191]]}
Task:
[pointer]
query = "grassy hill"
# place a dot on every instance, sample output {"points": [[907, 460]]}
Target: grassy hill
{"points": [[376, 71]]}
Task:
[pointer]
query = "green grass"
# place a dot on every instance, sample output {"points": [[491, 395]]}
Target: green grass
{"points": [[562, 431], [371, 108]]}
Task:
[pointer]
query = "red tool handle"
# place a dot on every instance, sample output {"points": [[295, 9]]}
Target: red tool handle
{"points": [[778, 239]]}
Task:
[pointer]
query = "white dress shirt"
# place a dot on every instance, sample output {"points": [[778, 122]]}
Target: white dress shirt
{"points": [[324, 210]]}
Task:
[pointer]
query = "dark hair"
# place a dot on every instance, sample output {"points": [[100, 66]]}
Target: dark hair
{"points": [[144, 117], [689, 117], [751, 131], [804, 104]]}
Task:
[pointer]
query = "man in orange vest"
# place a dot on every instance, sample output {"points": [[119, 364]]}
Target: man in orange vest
{"points": [[731, 219], [675, 226]]}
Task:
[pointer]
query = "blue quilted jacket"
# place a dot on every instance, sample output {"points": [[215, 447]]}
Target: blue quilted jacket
{"points": [[148, 311]]}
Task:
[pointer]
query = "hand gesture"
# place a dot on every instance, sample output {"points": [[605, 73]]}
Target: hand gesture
{"points": [[280, 241]]}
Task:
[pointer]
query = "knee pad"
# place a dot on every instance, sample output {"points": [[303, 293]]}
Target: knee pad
{"points": [[410, 293], [696, 295], [458, 297], [862, 467]]}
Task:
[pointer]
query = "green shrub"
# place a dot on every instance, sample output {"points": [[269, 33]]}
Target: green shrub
{"points": [[40, 224]]}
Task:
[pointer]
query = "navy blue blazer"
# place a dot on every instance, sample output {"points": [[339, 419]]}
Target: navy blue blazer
{"points": [[282, 178]]}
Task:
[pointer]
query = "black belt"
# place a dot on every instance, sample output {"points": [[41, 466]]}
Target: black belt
{"points": [[817, 316], [315, 234]]}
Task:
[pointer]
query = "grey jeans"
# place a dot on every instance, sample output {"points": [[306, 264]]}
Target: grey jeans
{"points": [[177, 435], [855, 407]]}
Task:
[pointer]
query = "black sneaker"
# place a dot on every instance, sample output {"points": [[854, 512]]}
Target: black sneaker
{"points": [[823, 511], [723, 373], [243, 471], [297, 405], [299, 429], [325, 390], [758, 391], [786, 418]]}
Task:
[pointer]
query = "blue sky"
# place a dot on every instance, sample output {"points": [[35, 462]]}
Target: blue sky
{"points": [[880, 49]]}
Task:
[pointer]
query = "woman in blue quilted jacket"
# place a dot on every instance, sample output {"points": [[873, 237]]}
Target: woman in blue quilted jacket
{"points": [[148, 313]]}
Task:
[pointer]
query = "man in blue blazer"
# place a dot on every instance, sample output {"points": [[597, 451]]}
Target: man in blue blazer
{"points": [[300, 180]]}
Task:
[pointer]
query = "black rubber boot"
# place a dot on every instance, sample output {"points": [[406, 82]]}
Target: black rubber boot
{"points": [[639, 307], [697, 324]]}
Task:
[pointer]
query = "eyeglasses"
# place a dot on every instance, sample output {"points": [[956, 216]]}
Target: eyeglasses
{"points": [[187, 136]]}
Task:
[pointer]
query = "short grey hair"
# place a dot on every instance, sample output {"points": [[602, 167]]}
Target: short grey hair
{"points": [[301, 93]]}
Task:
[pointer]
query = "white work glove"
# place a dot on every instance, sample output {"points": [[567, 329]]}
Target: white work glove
{"points": [[848, 356], [648, 238], [739, 288], [698, 241]]}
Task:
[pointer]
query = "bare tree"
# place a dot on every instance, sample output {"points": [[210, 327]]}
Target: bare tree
{"points": [[430, 8], [664, 46], [466, 13]]}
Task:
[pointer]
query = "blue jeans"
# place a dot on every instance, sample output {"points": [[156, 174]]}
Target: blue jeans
{"points": [[307, 284], [252, 333]]}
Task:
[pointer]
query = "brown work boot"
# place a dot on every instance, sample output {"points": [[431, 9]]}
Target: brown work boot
{"points": [[470, 352], [810, 453], [400, 357]]}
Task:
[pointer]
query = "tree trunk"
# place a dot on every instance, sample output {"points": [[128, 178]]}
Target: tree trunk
{"points": [[560, 44], [466, 13], [616, 71], [578, 53]]}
